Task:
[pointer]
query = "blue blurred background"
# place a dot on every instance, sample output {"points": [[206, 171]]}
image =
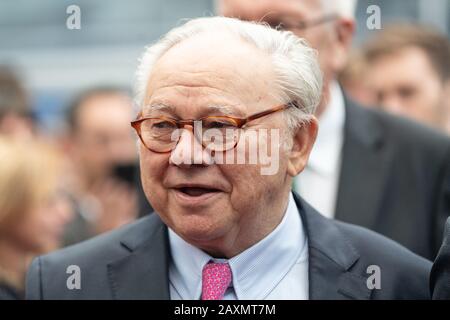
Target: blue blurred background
{"points": [[55, 63]]}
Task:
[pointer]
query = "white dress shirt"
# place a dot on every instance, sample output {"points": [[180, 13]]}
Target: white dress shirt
{"points": [[318, 183], [274, 268]]}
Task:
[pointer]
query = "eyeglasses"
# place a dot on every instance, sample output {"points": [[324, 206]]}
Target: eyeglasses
{"points": [[303, 24], [217, 133]]}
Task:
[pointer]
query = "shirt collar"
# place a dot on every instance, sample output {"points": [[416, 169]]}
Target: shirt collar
{"points": [[325, 155], [272, 257]]}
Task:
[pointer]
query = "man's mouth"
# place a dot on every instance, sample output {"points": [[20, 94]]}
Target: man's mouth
{"points": [[196, 191], [195, 194]]}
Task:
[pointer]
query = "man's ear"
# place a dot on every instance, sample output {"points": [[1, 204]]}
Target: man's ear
{"points": [[344, 31], [303, 141]]}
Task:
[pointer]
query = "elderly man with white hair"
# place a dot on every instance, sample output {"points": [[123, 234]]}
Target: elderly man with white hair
{"points": [[224, 228]]}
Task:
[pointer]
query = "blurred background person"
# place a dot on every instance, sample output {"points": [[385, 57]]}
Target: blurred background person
{"points": [[33, 208], [363, 172], [409, 73], [102, 151], [367, 167], [353, 78], [15, 114]]}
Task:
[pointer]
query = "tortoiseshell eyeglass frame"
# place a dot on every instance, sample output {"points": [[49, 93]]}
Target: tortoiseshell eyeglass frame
{"points": [[181, 124]]}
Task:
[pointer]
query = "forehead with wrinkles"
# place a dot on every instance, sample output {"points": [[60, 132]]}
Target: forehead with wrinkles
{"points": [[218, 63]]}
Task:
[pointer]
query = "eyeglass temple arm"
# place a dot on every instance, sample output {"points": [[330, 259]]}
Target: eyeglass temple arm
{"points": [[267, 112]]}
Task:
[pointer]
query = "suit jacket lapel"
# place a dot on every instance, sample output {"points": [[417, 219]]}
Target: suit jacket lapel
{"points": [[364, 171], [143, 272], [331, 257]]}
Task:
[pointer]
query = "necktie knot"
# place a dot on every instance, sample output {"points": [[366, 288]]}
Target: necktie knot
{"points": [[216, 277]]}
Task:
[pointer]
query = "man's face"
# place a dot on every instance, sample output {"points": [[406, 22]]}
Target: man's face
{"points": [[103, 136], [406, 84], [213, 205], [331, 39]]}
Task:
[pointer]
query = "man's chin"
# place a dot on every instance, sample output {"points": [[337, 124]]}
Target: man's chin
{"points": [[203, 202], [200, 230]]}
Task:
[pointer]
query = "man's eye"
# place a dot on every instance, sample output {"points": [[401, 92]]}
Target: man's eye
{"points": [[163, 125], [406, 92], [219, 125]]}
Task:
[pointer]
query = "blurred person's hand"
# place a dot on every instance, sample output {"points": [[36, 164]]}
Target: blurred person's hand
{"points": [[117, 205]]}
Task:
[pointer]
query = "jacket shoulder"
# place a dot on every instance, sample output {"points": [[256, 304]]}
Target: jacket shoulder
{"points": [[440, 273], [404, 275], [105, 246], [48, 274], [403, 131]]}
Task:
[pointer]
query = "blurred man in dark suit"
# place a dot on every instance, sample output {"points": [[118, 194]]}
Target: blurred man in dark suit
{"points": [[367, 167], [214, 94], [100, 143], [16, 118], [440, 273]]}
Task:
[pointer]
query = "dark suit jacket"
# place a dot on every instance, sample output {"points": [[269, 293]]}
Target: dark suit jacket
{"points": [[132, 263], [8, 292], [440, 273], [395, 179]]}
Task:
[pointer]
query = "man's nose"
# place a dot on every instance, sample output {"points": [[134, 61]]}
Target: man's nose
{"points": [[189, 151]]}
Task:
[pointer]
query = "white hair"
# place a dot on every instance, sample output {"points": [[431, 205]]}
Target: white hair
{"points": [[343, 8], [297, 72]]}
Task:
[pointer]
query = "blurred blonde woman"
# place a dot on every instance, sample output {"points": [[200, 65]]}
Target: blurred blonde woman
{"points": [[33, 210]]}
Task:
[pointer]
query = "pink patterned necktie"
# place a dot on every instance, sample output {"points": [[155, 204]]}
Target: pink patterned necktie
{"points": [[216, 278]]}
